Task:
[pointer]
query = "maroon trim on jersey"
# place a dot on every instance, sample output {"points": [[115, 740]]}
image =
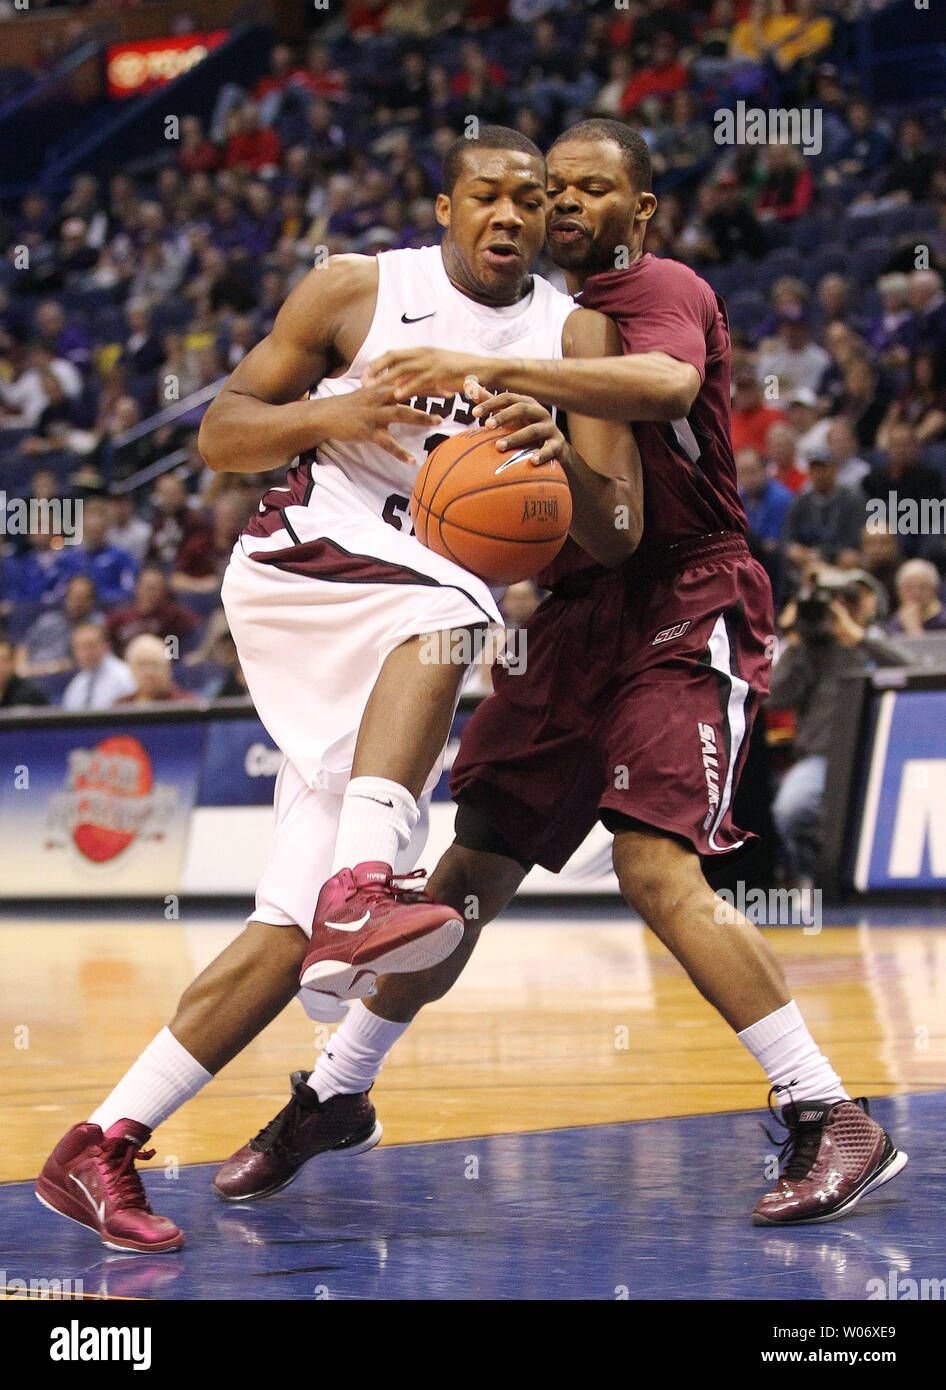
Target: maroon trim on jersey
{"points": [[327, 560], [270, 517]]}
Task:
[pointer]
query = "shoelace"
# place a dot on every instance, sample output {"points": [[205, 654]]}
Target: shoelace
{"points": [[801, 1141], [394, 888], [281, 1127], [122, 1179], [803, 1138]]}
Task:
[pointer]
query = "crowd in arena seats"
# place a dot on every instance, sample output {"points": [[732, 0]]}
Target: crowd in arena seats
{"points": [[136, 292]]}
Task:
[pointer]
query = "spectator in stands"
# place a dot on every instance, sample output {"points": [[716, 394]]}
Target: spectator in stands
{"points": [[881, 559], [47, 646], [919, 609], [15, 691], [554, 84], [196, 154], [891, 333], [863, 399], [150, 667], [112, 570], [200, 561], [911, 173], [834, 298], [821, 646], [24, 397], [752, 415], [767, 503], [252, 147], [781, 451], [928, 302], [902, 472], [810, 426], [40, 571], [922, 403], [153, 610], [175, 520], [788, 188], [792, 357], [663, 76], [767, 34], [864, 148], [731, 223], [841, 444], [127, 530], [64, 341], [824, 522], [479, 85], [102, 678], [319, 78], [143, 350]]}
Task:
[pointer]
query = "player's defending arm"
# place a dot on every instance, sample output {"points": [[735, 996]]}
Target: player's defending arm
{"points": [[261, 419], [601, 457], [641, 386]]}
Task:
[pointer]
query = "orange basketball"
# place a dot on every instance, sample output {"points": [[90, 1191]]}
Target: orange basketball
{"points": [[494, 513]]}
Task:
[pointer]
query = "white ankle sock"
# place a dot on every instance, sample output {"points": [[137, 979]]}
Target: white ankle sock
{"points": [[789, 1055], [162, 1079], [376, 822], [355, 1053]]}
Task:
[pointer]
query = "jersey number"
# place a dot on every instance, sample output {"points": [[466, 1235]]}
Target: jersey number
{"points": [[390, 513]]}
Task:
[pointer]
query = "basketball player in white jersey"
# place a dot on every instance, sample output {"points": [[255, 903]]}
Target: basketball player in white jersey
{"points": [[330, 600]]}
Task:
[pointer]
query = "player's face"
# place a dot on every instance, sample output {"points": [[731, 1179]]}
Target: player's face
{"points": [[495, 220], [593, 205]]}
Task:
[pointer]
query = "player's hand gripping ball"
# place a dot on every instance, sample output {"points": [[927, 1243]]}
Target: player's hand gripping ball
{"points": [[497, 514]]}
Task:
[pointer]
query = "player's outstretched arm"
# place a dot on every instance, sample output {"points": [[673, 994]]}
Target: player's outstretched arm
{"points": [[260, 419], [641, 386]]}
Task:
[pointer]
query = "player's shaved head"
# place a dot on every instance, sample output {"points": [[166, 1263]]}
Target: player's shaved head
{"points": [[488, 137], [633, 147]]}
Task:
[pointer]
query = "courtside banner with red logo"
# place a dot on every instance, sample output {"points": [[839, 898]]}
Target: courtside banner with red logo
{"points": [[93, 810], [141, 806], [134, 68]]}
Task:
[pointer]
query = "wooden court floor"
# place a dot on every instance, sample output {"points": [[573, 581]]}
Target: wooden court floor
{"points": [[559, 1020]]}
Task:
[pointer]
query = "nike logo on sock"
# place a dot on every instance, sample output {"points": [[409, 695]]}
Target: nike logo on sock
{"points": [[376, 799], [350, 926]]}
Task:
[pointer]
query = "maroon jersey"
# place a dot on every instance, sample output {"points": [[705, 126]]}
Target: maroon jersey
{"points": [[689, 474]]}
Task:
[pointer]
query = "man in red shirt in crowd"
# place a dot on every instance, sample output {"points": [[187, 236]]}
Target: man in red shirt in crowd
{"points": [[252, 147], [152, 610], [752, 418], [665, 76]]}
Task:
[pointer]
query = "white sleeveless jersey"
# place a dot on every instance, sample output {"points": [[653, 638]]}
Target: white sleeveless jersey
{"points": [[417, 306]]}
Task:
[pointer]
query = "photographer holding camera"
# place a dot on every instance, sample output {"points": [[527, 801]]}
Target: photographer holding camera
{"points": [[828, 635]]}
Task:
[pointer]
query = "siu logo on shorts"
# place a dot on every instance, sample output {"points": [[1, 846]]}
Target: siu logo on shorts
{"points": [[667, 634]]}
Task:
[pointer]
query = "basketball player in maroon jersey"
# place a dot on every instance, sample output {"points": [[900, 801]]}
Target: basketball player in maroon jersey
{"points": [[637, 702]]}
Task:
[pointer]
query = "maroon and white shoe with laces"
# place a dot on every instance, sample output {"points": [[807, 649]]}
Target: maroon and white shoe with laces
{"points": [[367, 923], [835, 1155], [91, 1178]]}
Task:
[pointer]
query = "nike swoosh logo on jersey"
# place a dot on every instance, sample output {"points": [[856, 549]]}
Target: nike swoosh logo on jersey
{"points": [[97, 1207], [350, 926], [419, 318]]}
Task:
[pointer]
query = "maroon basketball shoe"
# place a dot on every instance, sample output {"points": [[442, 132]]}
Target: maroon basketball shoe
{"points": [[836, 1154], [91, 1177], [367, 924], [303, 1129]]}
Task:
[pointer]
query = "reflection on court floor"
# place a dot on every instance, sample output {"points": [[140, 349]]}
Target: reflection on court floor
{"points": [[573, 1121]]}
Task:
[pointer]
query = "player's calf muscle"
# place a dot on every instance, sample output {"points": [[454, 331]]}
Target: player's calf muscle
{"points": [[240, 991]]}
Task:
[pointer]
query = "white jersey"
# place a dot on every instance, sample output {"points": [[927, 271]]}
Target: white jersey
{"points": [[417, 306]]}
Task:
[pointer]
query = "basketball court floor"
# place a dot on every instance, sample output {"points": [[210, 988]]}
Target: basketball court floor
{"points": [[573, 1121]]}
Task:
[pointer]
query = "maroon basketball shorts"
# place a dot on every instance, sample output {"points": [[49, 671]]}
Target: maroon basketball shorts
{"points": [[636, 702]]}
